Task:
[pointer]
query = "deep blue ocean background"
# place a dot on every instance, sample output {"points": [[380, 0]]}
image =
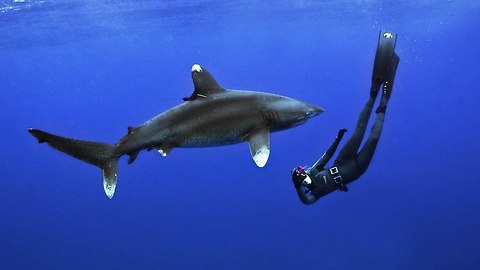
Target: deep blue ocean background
{"points": [[89, 69]]}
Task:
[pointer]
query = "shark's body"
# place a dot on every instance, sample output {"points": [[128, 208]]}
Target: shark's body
{"points": [[221, 118], [211, 116]]}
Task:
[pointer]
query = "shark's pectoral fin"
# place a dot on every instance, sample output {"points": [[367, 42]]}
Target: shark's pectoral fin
{"points": [[164, 149], [259, 140]]}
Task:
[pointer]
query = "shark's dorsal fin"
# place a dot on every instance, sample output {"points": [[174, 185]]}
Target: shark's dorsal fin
{"points": [[131, 130], [204, 83], [259, 141]]}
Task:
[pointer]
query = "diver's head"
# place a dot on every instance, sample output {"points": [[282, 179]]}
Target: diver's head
{"points": [[300, 176]]}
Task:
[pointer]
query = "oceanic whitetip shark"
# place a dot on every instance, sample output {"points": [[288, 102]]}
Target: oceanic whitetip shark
{"points": [[211, 116]]}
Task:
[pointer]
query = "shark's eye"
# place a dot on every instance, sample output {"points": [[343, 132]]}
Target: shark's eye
{"points": [[196, 68]]}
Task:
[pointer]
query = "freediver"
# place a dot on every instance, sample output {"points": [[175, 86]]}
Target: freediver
{"points": [[312, 183]]}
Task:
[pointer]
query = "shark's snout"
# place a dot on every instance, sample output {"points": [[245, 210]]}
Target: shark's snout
{"points": [[313, 110], [308, 111]]}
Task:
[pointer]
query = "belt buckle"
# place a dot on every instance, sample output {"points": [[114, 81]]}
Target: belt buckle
{"points": [[338, 179], [333, 170], [336, 175]]}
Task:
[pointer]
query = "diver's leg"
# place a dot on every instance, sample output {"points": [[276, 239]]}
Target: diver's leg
{"points": [[384, 70], [366, 154], [351, 147]]}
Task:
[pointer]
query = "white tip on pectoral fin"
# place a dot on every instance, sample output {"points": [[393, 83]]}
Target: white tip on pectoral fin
{"points": [[259, 141], [109, 171], [261, 156]]}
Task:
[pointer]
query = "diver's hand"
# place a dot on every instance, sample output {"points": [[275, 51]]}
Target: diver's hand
{"points": [[341, 132]]}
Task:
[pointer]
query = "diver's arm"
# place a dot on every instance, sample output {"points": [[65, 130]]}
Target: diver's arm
{"points": [[320, 164], [306, 196]]}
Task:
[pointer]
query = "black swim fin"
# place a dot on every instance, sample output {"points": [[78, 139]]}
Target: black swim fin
{"points": [[384, 58], [390, 77]]}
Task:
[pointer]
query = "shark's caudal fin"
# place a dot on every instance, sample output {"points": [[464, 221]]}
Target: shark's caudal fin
{"points": [[95, 153]]}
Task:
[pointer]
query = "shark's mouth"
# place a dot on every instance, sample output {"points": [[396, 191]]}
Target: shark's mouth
{"points": [[300, 121]]}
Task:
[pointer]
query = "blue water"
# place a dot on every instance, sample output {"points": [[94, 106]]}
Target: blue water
{"points": [[89, 69]]}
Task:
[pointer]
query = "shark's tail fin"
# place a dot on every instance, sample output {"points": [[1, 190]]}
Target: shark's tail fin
{"points": [[98, 154]]}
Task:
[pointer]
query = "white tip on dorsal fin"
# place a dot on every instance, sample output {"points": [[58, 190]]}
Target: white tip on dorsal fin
{"points": [[259, 141], [196, 68]]}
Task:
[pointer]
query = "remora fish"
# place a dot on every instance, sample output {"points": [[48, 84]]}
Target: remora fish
{"points": [[211, 116]]}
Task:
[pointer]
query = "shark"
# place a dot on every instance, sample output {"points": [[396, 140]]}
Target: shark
{"points": [[210, 116]]}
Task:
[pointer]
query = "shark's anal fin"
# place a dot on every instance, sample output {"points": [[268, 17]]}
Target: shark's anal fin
{"points": [[132, 157], [259, 141]]}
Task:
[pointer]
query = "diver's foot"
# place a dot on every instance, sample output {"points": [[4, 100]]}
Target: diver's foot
{"points": [[381, 109]]}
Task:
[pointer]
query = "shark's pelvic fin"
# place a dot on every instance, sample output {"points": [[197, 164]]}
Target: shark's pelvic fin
{"points": [[259, 141], [98, 154], [164, 149]]}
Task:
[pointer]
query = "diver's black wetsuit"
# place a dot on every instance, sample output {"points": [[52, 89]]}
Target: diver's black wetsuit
{"points": [[317, 181], [349, 165]]}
